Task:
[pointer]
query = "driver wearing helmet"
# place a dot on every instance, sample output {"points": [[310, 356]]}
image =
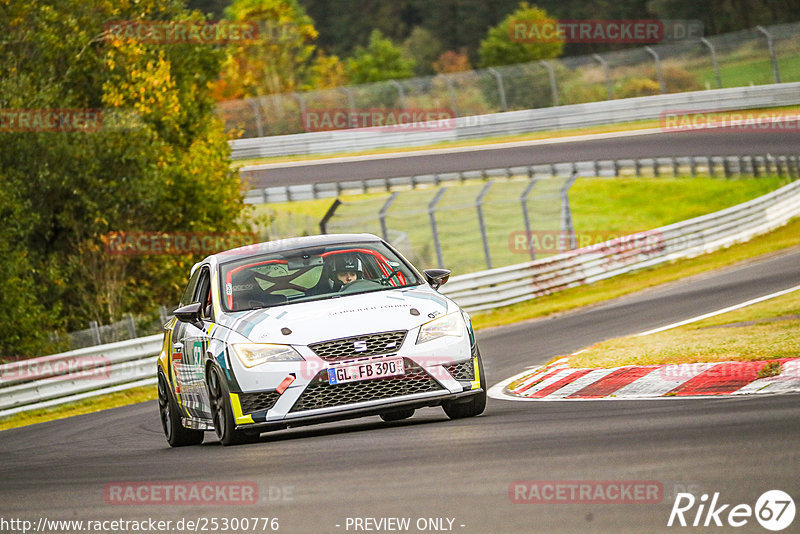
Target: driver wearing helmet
{"points": [[346, 269]]}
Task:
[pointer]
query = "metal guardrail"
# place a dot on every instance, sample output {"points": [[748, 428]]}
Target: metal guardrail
{"points": [[77, 374], [514, 122], [70, 376], [713, 165], [517, 283]]}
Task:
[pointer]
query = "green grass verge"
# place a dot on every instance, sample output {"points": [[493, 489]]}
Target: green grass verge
{"points": [[601, 209], [93, 404], [764, 331], [758, 72], [787, 236]]}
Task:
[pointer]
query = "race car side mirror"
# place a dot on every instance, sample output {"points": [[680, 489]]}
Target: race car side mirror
{"points": [[436, 277], [190, 314]]}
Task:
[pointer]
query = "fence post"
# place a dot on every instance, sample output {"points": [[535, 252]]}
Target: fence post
{"points": [[131, 326], [482, 223], [451, 93], [772, 56], [302, 103], [551, 73], [257, 115], [93, 326], [382, 215], [714, 61], [434, 229], [659, 74], [323, 224], [607, 74], [500, 88], [351, 103], [526, 217], [567, 227], [400, 92]]}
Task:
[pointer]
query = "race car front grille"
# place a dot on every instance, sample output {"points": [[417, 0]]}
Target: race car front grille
{"points": [[358, 346], [462, 370], [258, 402], [321, 394]]}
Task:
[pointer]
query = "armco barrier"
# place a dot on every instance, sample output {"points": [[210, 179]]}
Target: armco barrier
{"points": [[51, 380], [41, 382], [681, 165], [517, 283], [514, 122]]}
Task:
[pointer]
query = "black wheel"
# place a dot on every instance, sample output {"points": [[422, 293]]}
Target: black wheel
{"points": [[397, 415], [222, 413], [471, 406], [177, 435]]}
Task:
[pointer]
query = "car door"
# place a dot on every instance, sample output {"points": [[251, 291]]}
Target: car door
{"points": [[191, 342]]}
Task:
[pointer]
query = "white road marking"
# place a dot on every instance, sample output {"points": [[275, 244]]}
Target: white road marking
{"points": [[718, 312]]}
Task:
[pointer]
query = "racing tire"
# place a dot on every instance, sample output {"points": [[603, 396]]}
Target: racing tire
{"points": [[474, 405], [398, 415], [177, 435], [222, 413]]}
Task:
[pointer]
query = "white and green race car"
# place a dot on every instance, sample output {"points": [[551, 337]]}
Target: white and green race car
{"points": [[313, 329]]}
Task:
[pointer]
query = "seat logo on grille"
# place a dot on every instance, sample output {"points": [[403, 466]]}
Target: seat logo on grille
{"points": [[360, 346]]}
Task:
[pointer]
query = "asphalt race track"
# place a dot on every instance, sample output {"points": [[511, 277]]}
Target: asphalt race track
{"points": [[315, 478], [693, 143]]}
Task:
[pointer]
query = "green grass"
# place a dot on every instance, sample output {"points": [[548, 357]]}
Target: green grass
{"points": [[765, 331], [601, 208], [756, 72], [90, 405], [787, 236]]}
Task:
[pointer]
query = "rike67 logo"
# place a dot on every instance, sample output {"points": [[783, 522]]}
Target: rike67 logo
{"points": [[774, 510]]}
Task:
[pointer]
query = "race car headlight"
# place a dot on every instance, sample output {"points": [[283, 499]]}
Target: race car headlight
{"points": [[252, 354], [447, 325]]}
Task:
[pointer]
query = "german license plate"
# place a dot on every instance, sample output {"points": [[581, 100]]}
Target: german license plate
{"points": [[366, 371]]}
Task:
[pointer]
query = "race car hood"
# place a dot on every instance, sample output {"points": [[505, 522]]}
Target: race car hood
{"points": [[345, 316]]}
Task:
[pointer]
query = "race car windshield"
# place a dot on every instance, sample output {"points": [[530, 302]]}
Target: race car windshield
{"points": [[304, 275]]}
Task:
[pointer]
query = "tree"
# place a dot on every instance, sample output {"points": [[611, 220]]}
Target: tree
{"points": [[424, 48], [452, 61], [163, 169], [282, 59], [498, 48], [380, 60]]}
